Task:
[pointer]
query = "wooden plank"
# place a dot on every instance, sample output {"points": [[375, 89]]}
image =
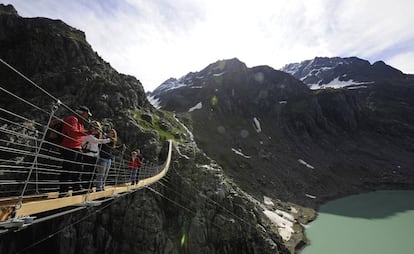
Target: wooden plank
{"points": [[11, 201], [47, 205], [6, 212], [35, 207]]}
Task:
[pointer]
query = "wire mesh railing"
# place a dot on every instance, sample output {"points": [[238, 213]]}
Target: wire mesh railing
{"points": [[26, 155]]}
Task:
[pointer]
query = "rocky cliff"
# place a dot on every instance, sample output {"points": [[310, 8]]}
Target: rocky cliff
{"points": [[196, 209]]}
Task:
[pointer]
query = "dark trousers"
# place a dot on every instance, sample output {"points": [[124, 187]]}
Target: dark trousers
{"points": [[134, 176], [71, 170], [89, 165]]}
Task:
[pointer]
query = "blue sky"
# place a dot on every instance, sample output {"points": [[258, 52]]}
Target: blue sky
{"points": [[154, 40]]}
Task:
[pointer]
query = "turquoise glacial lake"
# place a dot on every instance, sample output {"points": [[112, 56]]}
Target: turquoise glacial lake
{"points": [[379, 222]]}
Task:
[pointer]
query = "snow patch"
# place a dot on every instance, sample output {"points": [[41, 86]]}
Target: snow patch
{"points": [[306, 164], [282, 102], [219, 74], [284, 221], [209, 167], [238, 152], [284, 225], [336, 83], [187, 130], [356, 87], [292, 68], [310, 196], [291, 72], [315, 72], [197, 106], [286, 215], [170, 85], [179, 152], [257, 125], [326, 68], [154, 101], [268, 201]]}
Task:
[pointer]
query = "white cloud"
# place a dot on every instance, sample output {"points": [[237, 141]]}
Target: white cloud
{"points": [[403, 62], [155, 40]]}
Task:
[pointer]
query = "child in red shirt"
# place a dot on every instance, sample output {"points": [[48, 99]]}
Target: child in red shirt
{"points": [[134, 163]]}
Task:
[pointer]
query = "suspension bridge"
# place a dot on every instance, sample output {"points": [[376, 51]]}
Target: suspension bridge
{"points": [[30, 165]]}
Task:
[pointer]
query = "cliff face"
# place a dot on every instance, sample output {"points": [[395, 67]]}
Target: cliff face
{"points": [[195, 210]]}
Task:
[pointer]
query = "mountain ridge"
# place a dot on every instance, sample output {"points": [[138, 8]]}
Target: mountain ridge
{"points": [[266, 121], [317, 73]]}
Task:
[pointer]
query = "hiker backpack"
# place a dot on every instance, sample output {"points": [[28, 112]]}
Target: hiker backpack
{"points": [[54, 133]]}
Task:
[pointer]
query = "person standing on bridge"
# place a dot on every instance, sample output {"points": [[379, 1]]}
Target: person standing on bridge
{"points": [[73, 133], [134, 163], [105, 160], [90, 149]]}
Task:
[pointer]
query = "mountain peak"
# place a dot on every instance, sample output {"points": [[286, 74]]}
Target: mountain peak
{"points": [[169, 84], [231, 81], [8, 10], [198, 79], [336, 72], [226, 65]]}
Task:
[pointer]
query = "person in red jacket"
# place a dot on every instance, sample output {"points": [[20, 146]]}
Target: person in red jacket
{"points": [[73, 133], [134, 163]]}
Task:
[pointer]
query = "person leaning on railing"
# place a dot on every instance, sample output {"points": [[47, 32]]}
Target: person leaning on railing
{"points": [[105, 160], [73, 133], [90, 149]]}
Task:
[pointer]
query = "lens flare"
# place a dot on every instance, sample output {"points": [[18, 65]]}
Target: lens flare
{"points": [[221, 129], [244, 133], [182, 240], [214, 100]]}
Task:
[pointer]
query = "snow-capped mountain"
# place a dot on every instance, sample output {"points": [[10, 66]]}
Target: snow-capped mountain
{"points": [[199, 79], [336, 72], [271, 132], [230, 79], [169, 84]]}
